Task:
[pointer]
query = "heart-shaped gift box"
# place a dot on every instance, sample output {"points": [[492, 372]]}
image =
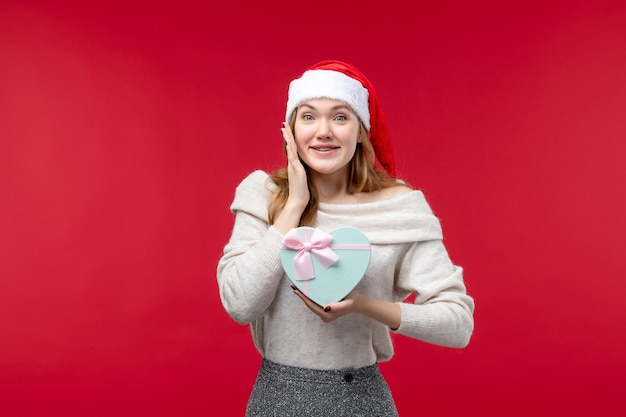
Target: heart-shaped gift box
{"points": [[325, 266]]}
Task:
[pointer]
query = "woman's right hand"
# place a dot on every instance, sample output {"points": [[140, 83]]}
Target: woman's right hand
{"points": [[298, 187]]}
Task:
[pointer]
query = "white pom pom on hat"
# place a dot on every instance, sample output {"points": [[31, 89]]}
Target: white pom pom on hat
{"points": [[341, 81]]}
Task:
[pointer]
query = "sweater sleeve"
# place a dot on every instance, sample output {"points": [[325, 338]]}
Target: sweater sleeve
{"points": [[250, 271], [442, 312]]}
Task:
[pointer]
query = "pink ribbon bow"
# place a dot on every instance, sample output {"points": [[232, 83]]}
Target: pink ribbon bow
{"points": [[318, 244]]}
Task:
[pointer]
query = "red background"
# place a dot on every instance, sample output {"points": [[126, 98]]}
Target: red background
{"points": [[125, 127]]}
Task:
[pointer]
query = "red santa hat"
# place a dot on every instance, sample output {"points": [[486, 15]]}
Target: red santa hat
{"points": [[340, 81]]}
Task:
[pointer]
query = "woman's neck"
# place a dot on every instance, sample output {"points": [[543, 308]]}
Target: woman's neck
{"points": [[331, 187]]}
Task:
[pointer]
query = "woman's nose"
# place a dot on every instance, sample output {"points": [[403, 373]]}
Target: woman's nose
{"points": [[323, 128]]}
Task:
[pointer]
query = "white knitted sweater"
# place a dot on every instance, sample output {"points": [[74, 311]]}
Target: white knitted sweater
{"points": [[407, 256]]}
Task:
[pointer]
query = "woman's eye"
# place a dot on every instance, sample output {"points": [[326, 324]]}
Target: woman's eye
{"points": [[341, 118], [307, 117]]}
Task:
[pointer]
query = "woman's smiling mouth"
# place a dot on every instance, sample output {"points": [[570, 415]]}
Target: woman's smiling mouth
{"points": [[324, 148]]}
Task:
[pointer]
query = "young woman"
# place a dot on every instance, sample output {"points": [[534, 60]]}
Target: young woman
{"points": [[322, 360]]}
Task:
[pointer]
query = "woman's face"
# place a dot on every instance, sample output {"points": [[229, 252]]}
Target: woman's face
{"points": [[326, 133]]}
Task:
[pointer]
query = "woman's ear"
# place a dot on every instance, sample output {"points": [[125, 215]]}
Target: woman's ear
{"points": [[362, 131]]}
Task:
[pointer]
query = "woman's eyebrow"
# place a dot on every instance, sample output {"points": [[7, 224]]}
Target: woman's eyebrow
{"points": [[337, 107]]}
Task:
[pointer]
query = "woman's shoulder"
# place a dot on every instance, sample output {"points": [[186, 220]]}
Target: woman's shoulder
{"points": [[256, 176], [389, 193], [396, 191], [253, 192], [257, 180]]}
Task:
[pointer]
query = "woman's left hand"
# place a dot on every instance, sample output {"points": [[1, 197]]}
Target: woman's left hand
{"points": [[331, 311], [386, 312]]}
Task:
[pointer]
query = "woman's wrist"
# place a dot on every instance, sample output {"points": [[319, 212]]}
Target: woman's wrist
{"points": [[295, 206], [386, 312], [288, 218]]}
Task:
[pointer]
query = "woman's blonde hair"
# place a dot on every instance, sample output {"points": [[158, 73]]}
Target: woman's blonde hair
{"points": [[363, 176]]}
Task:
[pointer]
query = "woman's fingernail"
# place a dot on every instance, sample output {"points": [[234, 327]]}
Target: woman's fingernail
{"points": [[327, 309]]}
